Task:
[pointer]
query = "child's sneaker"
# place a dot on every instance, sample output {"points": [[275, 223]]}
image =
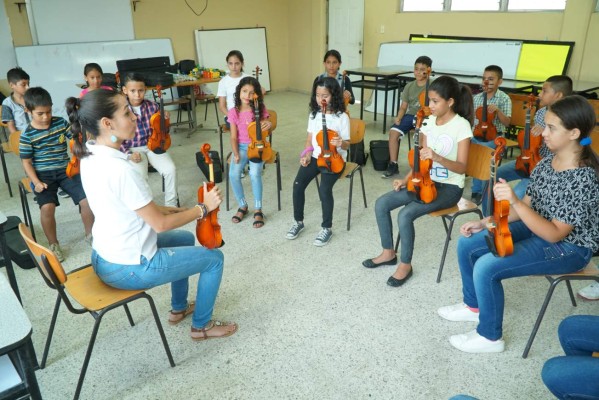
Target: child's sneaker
{"points": [[63, 194], [590, 292], [55, 248], [392, 169], [295, 230], [323, 237]]}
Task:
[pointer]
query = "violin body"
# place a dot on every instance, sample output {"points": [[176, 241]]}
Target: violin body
{"points": [[160, 139], [208, 231], [329, 160], [420, 182], [499, 239], [259, 148], [485, 129], [73, 167], [424, 100], [529, 144]]}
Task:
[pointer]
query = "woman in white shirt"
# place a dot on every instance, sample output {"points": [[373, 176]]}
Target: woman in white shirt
{"points": [[135, 246]]}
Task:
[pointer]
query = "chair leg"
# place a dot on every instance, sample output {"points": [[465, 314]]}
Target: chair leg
{"points": [[217, 118], [50, 332], [397, 242], [448, 231], [160, 330], [227, 180], [363, 188], [351, 189], [26, 211], [220, 135], [129, 317], [279, 184], [571, 293], [6, 178], [554, 283], [88, 354]]}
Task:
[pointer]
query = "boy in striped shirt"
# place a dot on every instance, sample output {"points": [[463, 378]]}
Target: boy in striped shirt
{"points": [[43, 151]]}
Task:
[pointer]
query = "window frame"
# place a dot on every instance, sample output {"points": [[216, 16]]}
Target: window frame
{"points": [[503, 7]]}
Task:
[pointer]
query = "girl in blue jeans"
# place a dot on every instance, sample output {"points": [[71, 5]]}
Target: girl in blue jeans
{"points": [[575, 375], [240, 117], [555, 227], [135, 246], [446, 140]]}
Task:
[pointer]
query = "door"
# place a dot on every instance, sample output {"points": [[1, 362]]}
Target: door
{"points": [[346, 31]]}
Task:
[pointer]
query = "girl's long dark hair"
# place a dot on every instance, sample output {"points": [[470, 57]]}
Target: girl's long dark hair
{"points": [[337, 105], [576, 112], [449, 88], [85, 115], [250, 80]]}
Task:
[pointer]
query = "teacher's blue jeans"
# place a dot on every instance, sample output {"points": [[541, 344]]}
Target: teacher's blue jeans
{"points": [[508, 172], [575, 375], [175, 261], [482, 272], [447, 196], [235, 170]]}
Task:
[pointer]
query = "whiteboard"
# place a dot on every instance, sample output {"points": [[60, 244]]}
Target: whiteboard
{"points": [[58, 68], [213, 46], [465, 57], [8, 59], [69, 21]]}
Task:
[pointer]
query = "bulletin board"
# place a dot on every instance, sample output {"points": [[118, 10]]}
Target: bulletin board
{"points": [[213, 45]]}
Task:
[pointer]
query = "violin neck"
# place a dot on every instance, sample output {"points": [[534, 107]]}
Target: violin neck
{"points": [[416, 167], [527, 130], [325, 132], [258, 125]]}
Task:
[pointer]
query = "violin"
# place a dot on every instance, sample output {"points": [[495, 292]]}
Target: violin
{"points": [[160, 139], [420, 181], [259, 149], [73, 167], [423, 97], [499, 239], [329, 160], [485, 128], [529, 144], [207, 228]]}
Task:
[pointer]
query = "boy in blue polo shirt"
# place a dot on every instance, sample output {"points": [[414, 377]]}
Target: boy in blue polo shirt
{"points": [[13, 107], [43, 151]]}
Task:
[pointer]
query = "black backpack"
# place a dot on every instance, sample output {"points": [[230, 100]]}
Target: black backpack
{"points": [[357, 154]]}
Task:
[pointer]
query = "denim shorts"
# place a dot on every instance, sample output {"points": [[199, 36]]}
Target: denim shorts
{"points": [[405, 125], [58, 179]]}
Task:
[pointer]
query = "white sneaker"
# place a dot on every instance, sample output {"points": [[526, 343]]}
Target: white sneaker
{"points": [[55, 248], [458, 313], [472, 342], [590, 293]]}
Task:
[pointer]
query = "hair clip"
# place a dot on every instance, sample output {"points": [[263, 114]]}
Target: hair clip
{"points": [[585, 141]]}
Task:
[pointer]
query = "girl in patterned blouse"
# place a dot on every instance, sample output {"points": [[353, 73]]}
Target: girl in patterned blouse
{"points": [[555, 227]]}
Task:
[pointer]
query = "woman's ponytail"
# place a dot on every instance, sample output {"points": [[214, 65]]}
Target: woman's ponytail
{"points": [[72, 105]]}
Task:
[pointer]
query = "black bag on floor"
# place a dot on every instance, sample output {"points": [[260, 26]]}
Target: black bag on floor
{"points": [[379, 153], [216, 164], [357, 153], [17, 249]]}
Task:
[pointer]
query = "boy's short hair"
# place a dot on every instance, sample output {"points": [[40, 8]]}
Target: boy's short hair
{"points": [[133, 77], [15, 75], [495, 68], [424, 60], [37, 97], [561, 84]]}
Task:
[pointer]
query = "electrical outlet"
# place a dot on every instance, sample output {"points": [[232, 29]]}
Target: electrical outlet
{"points": [[382, 29]]}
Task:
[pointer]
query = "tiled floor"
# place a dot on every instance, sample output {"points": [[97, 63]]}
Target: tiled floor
{"points": [[313, 322]]}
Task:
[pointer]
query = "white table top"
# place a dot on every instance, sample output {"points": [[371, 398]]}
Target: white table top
{"points": [[14, 323]]}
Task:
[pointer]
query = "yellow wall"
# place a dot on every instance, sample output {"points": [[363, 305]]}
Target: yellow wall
{"points": [[296, 30]]}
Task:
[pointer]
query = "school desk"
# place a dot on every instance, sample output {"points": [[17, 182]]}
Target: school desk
{"points": [[507, 85], [379, 78]]}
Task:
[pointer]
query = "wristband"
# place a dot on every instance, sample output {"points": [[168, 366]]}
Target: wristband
{"points": [[203, 208], [307, 150]]}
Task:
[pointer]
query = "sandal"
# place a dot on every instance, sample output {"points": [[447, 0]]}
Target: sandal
{"points": [[200, 334], [241, 213], [258, 223], [175, 317]]}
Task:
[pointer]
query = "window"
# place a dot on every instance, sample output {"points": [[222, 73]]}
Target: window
{"points": [[423, 5], [475, 5], [529, 5]]}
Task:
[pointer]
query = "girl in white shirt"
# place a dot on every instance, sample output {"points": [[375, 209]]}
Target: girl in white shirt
{"points": [[135, 246]]}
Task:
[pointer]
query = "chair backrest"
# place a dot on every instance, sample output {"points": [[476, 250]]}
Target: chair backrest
{"points": [[595, 140], [55, 273], [357, 129], [479, 161], [273, 119], [13, 139], [519, 102], [595, 104]]}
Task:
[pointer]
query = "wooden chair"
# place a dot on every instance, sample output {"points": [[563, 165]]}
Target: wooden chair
{"points": [[589, 273], [595, 104], [479, 158], [5, 148], [24, 184], [595, 139], [275, 159], [85, 288], [357, 130]]}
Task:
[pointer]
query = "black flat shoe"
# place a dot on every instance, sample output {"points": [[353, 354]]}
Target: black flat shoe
{"points": [[371, 264], [398, 282]]}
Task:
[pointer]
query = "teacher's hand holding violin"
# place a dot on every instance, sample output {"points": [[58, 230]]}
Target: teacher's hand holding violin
{"points": [[212, 198]]}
